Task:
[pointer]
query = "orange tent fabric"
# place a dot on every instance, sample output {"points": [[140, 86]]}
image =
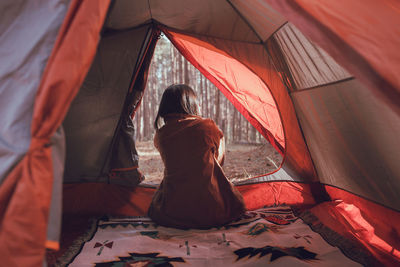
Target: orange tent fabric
{"points": [[30, 183], [271, 101], [348, 221]]}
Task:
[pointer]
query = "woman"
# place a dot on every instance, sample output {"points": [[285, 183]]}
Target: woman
{"points": [[194, 192]]}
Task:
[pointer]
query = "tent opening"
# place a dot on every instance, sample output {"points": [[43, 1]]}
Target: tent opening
{"points": [[248, 153]]}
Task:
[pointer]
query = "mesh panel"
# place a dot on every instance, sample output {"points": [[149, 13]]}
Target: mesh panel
{"points": [[308, 64]]}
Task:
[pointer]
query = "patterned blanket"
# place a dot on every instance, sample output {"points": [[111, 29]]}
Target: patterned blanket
{"points": [[273, 236]]}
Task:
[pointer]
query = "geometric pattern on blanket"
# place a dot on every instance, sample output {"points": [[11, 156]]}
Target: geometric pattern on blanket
{"points": [[269, 236]]}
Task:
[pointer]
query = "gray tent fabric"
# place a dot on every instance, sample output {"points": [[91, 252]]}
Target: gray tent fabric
{"points": [[353, 138], [28, 30], [351, 135], [124, 159], [222, 21], [261, 16], [93, 117]]}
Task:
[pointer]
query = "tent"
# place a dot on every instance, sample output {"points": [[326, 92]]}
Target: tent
{"points": [[318, 79]]}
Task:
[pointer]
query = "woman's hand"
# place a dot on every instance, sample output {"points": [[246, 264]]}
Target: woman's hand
{"points": [[221, 151]]}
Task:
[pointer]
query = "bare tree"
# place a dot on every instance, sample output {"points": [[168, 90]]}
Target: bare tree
{"points": [[186, 74], [169, 66]]}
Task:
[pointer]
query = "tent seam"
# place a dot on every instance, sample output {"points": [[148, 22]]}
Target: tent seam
{"points": [[161, 25], [151, 14], [322, 85]]}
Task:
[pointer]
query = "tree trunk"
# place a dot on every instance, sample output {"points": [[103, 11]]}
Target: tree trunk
{"points": [[234, 124], [202, 96], [240, 130], [217, 107], [186, 68], [138, 124], [253, 134], [146, 116]]}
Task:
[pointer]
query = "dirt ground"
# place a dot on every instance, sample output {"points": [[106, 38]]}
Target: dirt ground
{"points": [[242, 161]]}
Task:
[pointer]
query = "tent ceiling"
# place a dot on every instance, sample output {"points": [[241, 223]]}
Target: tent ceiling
{"points": [[262, 18], [127, 14], [224, 19]]}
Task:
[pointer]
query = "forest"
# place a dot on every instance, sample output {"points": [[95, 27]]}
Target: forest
{"points": [[170, 67], [248, 154]]}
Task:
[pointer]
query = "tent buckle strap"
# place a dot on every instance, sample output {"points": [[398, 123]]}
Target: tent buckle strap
{"points": [[39, 143]]}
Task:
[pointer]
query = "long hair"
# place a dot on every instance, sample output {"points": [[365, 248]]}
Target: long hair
{"points": [[177, 98]]}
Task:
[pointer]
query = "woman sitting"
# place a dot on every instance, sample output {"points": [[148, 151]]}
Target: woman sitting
{"points": [[195, 192]]}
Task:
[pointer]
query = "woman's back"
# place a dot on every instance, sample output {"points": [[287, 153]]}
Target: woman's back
{"points": [[194, 192]]}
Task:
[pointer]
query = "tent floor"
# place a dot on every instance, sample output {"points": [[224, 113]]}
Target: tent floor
{"points": [[276, 229]]}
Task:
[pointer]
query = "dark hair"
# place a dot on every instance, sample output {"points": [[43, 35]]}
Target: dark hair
{"points": [[177, 98]]}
